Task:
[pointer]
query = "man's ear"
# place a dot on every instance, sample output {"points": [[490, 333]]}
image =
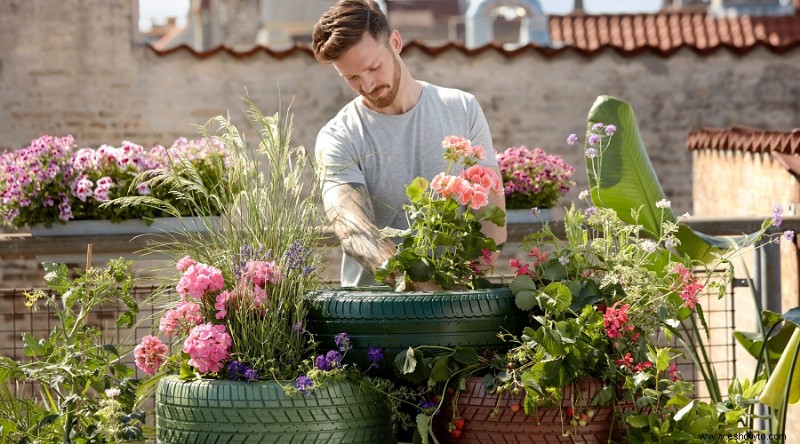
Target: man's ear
{"points": [[396, 41]]}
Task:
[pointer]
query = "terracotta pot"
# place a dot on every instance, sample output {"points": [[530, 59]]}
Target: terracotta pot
{"points": [[488, 420]]}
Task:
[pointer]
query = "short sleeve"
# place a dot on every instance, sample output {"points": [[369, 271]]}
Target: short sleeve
{"points": [[479, 130], [338, 159]]}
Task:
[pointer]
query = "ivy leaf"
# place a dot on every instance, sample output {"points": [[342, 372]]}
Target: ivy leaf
{"points": [[416, 189]]}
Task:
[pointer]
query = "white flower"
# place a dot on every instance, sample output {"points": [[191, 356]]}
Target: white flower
{"points": [[671, 243], [583, 194], [663, 203], [563, 260], [685, 215], [648, 246], [112, 392]]}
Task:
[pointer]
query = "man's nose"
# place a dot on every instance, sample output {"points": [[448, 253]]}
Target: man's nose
{"points": [[368, 84]]}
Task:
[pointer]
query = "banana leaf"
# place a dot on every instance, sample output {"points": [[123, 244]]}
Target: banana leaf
{"points": [[626, 181]]}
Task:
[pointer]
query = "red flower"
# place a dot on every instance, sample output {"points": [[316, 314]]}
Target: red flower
{"points": [[626, 361]]}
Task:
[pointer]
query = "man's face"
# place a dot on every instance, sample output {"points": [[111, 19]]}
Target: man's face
{"points": [[371, 68]]}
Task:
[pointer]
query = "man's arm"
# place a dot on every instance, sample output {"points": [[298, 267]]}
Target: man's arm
{"points": [[349, 209]]}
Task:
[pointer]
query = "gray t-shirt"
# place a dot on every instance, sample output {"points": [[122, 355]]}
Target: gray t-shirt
{"points": [[386, 152]]}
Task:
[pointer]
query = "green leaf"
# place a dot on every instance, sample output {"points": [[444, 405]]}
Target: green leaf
{"points": [[466, 355], [554, 271], [31, 346], [441, 369], [424, 427], [753, 342], [603, 397], [405, 362], [522, 283], [686, 409], [389, 232], [638, 421], [559, 297], [56, 276], [416, 189], [793, 316], [525, 300], [627, 180], [662, 360], [420, 270]]}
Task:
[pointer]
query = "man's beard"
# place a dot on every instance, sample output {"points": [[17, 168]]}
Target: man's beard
{"points": [[387, 98]]}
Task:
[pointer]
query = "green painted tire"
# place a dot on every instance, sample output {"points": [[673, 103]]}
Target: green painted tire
{"points": [[379, 317], [214, 411]]}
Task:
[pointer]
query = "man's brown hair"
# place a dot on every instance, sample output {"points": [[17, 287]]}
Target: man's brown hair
{"points": [[344, 24]]}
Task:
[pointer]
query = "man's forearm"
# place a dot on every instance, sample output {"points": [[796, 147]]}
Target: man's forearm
{"points": [[350, 210]]}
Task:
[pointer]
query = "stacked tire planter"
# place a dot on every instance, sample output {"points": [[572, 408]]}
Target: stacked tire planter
{"points": [[215, 411], [489, 420], [379, 317]]}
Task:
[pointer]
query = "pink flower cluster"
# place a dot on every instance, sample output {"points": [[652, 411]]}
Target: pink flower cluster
{"points": [[470, 188], [52, 179], [208, 347], [690, 286], [150, 354], [529, 172], [199, 279], [457, 148], [627, 361], [180, 319]]}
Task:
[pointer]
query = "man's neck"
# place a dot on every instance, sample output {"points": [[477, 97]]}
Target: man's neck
{"points": [[407, 97]]}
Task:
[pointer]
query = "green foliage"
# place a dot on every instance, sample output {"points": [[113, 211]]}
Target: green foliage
{"points": [[444, 243], [268, 208], [84, 394]]}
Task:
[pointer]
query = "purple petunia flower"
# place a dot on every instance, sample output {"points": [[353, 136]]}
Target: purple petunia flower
{"points": [[334, 359], [375, 355], [250, 375], [321, 363], [342, 341], [304, 384], [235, 368]]}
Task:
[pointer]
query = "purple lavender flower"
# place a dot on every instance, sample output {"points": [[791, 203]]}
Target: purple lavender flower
{"points": [[304, 384], [375, 355], [342, 341], [250, 375], [296, 255], [334, 359], [298, 326]]}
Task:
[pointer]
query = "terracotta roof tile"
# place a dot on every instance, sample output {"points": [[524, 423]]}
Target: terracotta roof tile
{"points": [[741, 138], [664, 33]]}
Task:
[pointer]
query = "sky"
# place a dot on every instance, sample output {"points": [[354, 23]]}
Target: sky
{"points": [[158, 10]]}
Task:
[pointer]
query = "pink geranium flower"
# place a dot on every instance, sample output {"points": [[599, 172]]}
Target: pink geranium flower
{"points": [[200, 279], [208, 347], [150, 354]]}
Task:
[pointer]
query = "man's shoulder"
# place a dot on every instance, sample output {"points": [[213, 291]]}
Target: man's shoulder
{"points": [[344, 120], [446, 93]]}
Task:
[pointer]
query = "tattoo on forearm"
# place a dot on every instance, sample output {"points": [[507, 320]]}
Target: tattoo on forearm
{"points": [[350, 210]]}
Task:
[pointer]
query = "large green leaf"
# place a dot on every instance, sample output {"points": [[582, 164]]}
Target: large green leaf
{"points": [[626, 180]]}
